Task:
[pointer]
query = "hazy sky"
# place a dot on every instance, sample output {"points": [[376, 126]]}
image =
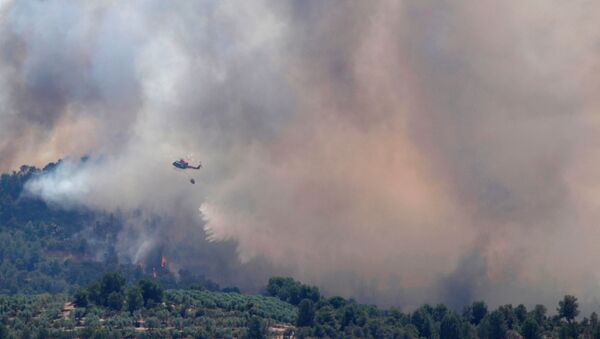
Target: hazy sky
{"points": [[398, 152]]}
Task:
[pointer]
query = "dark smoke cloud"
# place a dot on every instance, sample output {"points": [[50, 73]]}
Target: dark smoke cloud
{"points": [[398, 152]]}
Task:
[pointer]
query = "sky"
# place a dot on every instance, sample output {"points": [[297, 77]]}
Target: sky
{"points": [[397, 152]]}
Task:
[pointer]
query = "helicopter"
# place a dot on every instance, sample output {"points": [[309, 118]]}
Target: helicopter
{"points": [[182, 164]]}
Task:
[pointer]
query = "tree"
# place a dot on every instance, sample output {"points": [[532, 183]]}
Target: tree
{"points": [[568, 331], [422, 320], [530, 328], [151, 292], [509, 315], [306, 313], [521, 313], [375, 328], [111, 282], [256, 329], [95, 295], [567, 308], [468, 330], [135, 300], [336, 302], [478, 312], [352, 315], [493, 326], [450, 326], [80, 298], [291, 291], [326, 316], [439, 311], [279, 287], [309, 292], [539, 314], [115, 301]]}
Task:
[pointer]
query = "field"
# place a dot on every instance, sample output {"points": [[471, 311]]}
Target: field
{"points": [[182, 314]]}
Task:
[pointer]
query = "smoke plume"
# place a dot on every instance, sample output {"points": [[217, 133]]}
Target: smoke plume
{"points": [[397, 152]]}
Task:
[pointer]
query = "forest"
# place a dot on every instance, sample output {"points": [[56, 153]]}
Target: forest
{"points": [[61, 278]]}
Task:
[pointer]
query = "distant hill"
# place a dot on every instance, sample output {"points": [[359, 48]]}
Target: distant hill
{"points": [[45, 249]]}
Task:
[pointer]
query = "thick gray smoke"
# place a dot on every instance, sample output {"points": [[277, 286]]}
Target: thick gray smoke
{"points": [[398, 152]]}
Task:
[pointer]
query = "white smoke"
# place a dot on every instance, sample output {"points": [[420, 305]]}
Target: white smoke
{"points": [[398, 152]]}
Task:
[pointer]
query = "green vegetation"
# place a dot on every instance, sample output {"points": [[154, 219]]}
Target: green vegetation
{"points": [[69, 254], [170, 314], [46, 249], [336, 317]]}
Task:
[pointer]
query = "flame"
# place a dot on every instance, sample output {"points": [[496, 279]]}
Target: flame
{"points": [[163, 261]]}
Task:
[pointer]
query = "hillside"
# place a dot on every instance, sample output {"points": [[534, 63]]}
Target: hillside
{"points": [[46, 249], [56, 282]]}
